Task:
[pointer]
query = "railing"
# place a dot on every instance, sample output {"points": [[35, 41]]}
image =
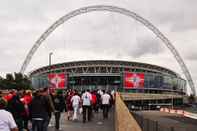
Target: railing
{"points": [[151, 125], [146, 96], [124, 121]]}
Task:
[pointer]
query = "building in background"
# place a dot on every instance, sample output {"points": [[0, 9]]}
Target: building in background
{"points": [[122, 76], [104, 74]]}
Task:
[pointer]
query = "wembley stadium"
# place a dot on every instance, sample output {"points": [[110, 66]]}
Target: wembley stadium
{"points": [[110, 75]]}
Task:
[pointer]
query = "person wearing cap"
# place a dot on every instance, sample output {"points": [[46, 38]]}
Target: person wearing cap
{"points": [[7, 122]]}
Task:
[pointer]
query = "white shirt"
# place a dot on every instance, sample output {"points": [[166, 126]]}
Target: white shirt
{"points": [[100, 92], [86, 98], [6, 121], [105, 98], [75, 100]]}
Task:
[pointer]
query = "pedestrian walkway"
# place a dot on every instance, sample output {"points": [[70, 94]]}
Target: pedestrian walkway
{"points": [[97, 123]]}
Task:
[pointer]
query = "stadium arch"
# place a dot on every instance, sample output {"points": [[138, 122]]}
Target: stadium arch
{"points": [[119, 10]]}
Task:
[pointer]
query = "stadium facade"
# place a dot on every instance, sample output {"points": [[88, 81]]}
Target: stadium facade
{"points": [[110, 75]]}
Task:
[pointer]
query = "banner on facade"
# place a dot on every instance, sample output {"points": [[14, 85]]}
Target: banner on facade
{"points": [[133, 80], [57, 80]]}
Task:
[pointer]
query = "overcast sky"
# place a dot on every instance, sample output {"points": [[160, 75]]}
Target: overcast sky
{"points": [[97, 35]]}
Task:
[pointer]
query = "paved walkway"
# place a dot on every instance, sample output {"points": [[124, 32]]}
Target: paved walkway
{"points": [[97, 123], [167, 120]]}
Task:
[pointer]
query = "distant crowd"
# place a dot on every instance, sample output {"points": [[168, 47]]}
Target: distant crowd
{"points": [[19, 109]]}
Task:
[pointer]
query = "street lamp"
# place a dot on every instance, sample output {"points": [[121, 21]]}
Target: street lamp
{"points": [[50, 54]]}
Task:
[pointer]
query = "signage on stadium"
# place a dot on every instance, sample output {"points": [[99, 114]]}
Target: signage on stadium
{"points": [[57, 80], [133, 80]]}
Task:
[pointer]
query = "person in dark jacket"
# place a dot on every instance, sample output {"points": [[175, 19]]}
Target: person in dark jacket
{"points": [[50, 107], [59, 105], [38, 112], [16, 107]]}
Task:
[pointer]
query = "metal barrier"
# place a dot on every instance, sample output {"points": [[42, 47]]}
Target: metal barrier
{"points": [[150, 125]]}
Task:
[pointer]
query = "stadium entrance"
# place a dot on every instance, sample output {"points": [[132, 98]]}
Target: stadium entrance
{"points": [[94, 82]]}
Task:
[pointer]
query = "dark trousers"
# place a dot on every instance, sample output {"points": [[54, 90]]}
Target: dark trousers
{"points": [[86, 112], [45, 124], [105, 110], [57, 119], [19, 123], [37, 125], [25, 121], [96, 108]]}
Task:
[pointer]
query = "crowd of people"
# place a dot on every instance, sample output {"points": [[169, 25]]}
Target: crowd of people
{"points": [[19, 109]]}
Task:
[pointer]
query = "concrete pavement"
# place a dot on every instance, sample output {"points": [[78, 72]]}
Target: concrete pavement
{"points": [[97, 123]]}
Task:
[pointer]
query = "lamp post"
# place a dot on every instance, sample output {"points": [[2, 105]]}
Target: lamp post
{"points": [[50, 54]]}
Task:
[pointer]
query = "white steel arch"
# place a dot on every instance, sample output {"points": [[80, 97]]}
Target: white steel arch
{"points": [[119, 10]]}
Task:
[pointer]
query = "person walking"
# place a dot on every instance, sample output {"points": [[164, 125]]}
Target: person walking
{"points": [[59, 105], [7, 122], [49, 106], [69, 104], [105, 99], [94, 101], [26, 100], [38, 112], [86, 105], [17, 109], [75, 103]]}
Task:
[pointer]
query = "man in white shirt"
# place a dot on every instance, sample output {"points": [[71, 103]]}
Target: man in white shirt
{"points": [[86, 105], [105, 99], [7, 122], [75, 104]]}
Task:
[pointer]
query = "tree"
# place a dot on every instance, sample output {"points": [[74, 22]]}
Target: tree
{"points": [[1, 83], [17, 81], [9, 77]]}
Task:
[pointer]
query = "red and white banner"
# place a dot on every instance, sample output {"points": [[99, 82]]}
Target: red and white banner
{"points": [[133, 80], [57, 80]]}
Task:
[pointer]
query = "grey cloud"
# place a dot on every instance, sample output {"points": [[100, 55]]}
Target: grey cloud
{"points": [[145, 45], [181, 16], [192, 56]]}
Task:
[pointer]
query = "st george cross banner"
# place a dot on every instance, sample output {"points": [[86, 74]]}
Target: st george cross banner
{"points": [[57, 80], [133, 80]]}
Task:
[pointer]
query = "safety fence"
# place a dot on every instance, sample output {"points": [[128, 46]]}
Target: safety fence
{"points": [[151, 125]]}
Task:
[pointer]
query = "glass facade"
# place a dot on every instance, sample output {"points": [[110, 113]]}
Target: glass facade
{"points": [[152, 81], [162, 82]]}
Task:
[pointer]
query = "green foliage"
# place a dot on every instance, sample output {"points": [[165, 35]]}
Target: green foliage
{"points": [[15, 81]]}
